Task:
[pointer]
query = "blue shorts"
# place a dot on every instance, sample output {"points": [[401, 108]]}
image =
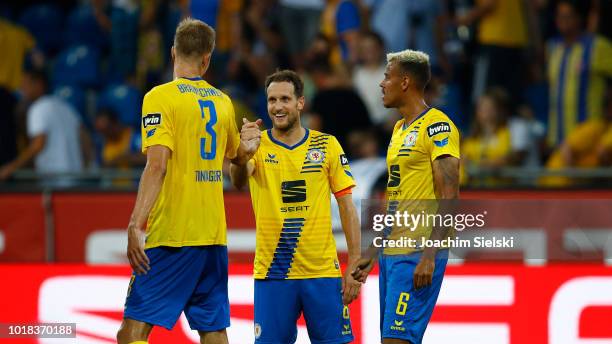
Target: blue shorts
{"points": [[278, 304], [191, 279], [405, 312]]}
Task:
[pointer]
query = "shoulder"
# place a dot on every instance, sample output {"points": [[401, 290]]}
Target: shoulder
{"points": [[437, 122], [323, 138], [160, 90]]}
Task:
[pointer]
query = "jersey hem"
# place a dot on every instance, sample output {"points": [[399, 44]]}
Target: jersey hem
{"points": [[259, 277], [186, 243]]}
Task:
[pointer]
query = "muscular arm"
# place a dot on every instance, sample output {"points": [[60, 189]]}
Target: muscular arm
{"points": [[446, 184], [150, 185]]}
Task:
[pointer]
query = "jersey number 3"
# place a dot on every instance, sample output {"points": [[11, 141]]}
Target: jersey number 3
{"points": [[210, 130]]}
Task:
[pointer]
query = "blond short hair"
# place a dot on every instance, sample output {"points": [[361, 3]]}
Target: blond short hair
{"points": [[193, 39], [415, 63]]}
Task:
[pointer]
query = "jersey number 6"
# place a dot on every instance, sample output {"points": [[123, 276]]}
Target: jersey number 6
{"points": [[210, 130]]}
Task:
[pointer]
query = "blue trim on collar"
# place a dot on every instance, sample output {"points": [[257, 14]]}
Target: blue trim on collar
{"points": [[285, 145], [197, 78], [404, 127]]}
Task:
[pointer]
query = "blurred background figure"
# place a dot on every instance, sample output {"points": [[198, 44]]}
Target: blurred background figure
{"points": [[54, 130], [489, 144], [299, 22], [502, 27], [119, 143], [589, 145], [578, 64], [336, 104]]}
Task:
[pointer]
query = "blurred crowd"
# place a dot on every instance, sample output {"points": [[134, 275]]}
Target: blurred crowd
{"points": [[526, 81]]}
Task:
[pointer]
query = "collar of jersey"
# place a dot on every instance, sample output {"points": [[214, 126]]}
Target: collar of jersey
{"points": [[285, 145], [197, 78], [404, 127]]}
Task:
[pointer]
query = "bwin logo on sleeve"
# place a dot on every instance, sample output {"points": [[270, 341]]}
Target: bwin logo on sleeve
{"points": [[151, 119], [437, 128]]}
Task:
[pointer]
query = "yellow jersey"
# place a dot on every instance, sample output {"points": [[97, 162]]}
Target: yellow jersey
{"points": [[505, 26], [291, 190], [413, 148], [577, 83], [196, 121]]}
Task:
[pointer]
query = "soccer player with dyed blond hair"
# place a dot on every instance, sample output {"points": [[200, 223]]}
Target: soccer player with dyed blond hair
{"points": [[188, 128], [423, 164]]}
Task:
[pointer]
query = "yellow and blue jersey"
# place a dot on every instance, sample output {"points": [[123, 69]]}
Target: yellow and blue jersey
{"points": [[196, 122], [291, 190], [577, 80], [413, 148]]}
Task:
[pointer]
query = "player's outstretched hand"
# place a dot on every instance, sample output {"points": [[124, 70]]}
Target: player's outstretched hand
{"points": [[423, 273], [362, 270], [135, 251], [250, 135], [350, 288]]}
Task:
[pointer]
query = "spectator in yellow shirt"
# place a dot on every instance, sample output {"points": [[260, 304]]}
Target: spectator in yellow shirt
{"points": [[489, 145]]}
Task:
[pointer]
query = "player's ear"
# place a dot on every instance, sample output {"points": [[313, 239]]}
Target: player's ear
{"points": [[300, 103], [172, 53], [205, 62], [406, 81]]}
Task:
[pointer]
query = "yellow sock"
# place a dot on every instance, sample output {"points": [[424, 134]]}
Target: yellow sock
{"points": [[139, 342]]}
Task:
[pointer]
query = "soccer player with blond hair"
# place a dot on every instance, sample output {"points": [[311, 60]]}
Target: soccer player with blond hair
{"points": [[423, 165], [181, 264]]}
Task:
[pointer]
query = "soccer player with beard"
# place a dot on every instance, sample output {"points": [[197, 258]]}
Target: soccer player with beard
{"points": [[291, 178]]}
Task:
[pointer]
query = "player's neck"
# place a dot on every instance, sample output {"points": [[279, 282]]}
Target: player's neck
{"points": [[186, 70], [289, 137], [414, 106]]}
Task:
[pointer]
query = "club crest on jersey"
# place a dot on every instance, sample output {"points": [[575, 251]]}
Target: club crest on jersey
{"points": [[315, 156], [257, 331], [151, 119], [410, 139], [438, 128]]}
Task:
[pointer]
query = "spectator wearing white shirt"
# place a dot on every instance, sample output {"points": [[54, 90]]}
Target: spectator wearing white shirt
{"points": [[54, 130], [368, 73]]}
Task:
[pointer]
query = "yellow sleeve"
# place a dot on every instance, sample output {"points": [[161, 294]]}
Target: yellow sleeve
{"points": [[585, 136], [340, 176], [233, 137], [602, 56], [442, 138], [157, 126]]}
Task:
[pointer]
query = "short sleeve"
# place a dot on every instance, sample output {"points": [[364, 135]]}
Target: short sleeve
{"points": [[38, 120], [442, 138], [157, 122], [586, 135], [340, 176], [347, 17], [233, 137]]}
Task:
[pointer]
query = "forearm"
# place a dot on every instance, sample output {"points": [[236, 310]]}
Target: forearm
{"points": [[239, 175], [148, 190], [242, 156], [350, 226], [446, 180]]}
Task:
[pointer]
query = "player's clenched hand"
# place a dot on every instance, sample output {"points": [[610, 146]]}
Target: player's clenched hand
{"points": [[135, 251], [350, 288], [423, 273], [363, 268], [250, 135]]}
